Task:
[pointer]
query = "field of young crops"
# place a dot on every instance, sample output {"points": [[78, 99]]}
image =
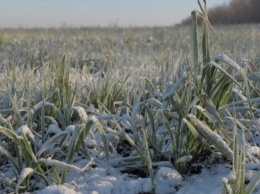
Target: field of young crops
{"points": [[148, 107]]}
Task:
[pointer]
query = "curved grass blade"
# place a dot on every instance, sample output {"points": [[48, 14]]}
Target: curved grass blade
{"points": [[49, 144], [253, 183], [27, 172], [28, 148], [10, 134], [65, 166], [8, 155], [196, 135], [212, 137], [58, 112], [184, 159], [212, 63], [224, 58], [103, 136]]}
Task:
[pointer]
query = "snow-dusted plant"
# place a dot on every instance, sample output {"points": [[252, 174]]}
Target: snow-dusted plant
{"points": [[236, 184], [22, 155], [200, 100], [175, 110]]}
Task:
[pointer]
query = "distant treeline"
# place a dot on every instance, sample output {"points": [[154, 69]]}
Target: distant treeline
{"points": [[237, 12]]}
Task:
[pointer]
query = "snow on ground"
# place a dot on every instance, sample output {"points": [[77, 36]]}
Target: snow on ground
{"points": [[207, 180], [168, 180], [97, 182]]}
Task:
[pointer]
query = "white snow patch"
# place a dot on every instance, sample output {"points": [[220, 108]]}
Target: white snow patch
{"points": [[57, 189], [70, 128], [82, 113], [54, 128], [208, 181], [25, 130], [167, 179]]}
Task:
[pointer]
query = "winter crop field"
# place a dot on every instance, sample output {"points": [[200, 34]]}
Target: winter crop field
{"points": [[130, 110]]}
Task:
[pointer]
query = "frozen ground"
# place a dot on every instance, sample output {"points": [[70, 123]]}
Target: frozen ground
{"points": [[204, 177], [96, 181], [208, 179]]}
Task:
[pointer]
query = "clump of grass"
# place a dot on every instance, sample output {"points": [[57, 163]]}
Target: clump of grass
{"points": [[27, 149], [236, 184], [194, 108]]}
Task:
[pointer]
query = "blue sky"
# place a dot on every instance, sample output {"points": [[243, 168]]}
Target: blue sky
{"points": [[76, 13]]}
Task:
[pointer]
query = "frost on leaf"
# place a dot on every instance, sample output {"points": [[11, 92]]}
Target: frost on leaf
{"points": [[82, 113], [25, 130]]}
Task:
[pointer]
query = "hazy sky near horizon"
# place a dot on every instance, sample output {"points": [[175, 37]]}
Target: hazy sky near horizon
{"points": [[76, 13]]}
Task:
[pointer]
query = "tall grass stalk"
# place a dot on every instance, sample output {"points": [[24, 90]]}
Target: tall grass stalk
{"points": [[237, 183], [195, 48]]}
